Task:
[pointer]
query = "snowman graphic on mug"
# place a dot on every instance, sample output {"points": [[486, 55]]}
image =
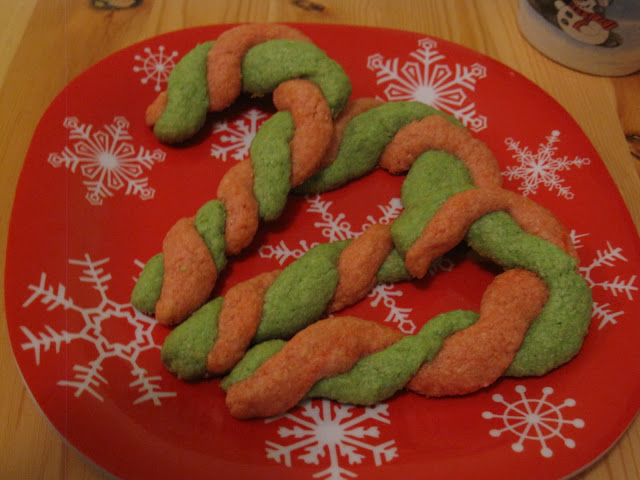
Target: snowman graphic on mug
{"points": [[582, 20]]}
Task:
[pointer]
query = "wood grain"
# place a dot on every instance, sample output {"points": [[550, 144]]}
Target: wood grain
{"points": [[627, 92], [47, 43]]}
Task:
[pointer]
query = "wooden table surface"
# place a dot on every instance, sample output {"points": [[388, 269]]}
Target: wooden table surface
{"points": [[46, 43]]}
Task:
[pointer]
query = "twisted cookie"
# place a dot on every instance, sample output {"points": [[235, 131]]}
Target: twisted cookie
{"points": [[363, 362], [446, 197], [533, 317], [257, 188], [210, 77], [362, 133], [287, 150]]}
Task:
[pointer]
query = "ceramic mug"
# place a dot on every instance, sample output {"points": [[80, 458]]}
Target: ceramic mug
{"points": [[600, 37]]}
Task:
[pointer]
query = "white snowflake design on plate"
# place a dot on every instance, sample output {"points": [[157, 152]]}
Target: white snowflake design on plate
{"points": [[428, 79], [535, 419], [88, 377], [107, 160], [335, 228], [236, 136], [606, 258], [155, 66], [542, 167], [327, 433]]}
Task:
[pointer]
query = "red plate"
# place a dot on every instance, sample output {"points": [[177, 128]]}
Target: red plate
{"points": [[98, 192]]}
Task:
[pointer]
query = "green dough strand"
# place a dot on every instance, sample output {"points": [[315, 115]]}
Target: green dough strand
{"points": [[187, 98], [185, 349], [210, 224], [300, 294], [146, 291], [271, 159], [365, 138], [268, 64]]}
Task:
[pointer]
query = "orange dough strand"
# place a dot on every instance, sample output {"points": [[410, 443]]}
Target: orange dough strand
{"points": [[358, 264], [449, 225], [324, 349], [238, 322], [475, 357], [189, 273], [236, 193], [313, 129], [224, 63], [313, 126], [154, 111], [436, 133]]}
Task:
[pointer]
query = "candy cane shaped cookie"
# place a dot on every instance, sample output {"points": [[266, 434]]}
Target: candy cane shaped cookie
{"points": [[290, 147], [437, 195]]}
